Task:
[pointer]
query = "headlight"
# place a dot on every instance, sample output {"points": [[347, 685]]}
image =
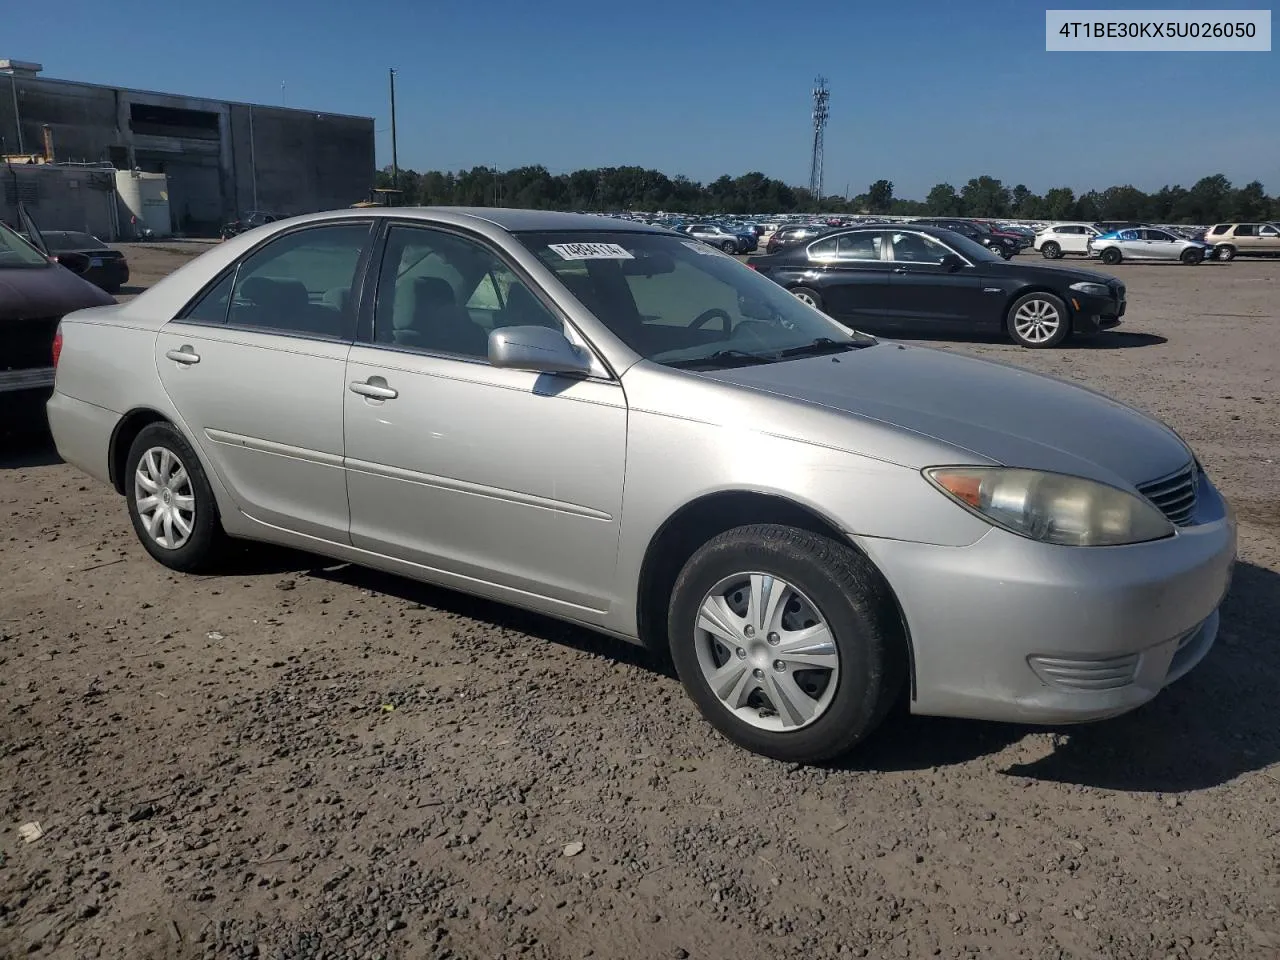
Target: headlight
{"points": [[1052, 507], [1092, 289]]}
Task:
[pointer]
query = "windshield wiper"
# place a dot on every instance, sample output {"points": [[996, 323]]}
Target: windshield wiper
{"points": [[824, 345], [731, 357]]}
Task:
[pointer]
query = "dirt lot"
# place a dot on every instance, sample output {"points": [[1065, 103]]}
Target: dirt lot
{"points": [[302, 759]]}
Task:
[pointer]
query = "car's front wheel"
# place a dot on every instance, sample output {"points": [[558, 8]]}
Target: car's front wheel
{"points": [[170, 501], [1038, 320], [729, 247], [1051, 251], [788, 641], [1226, 252], [1191, 255]]}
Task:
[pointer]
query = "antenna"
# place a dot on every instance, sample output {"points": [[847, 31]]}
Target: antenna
{"points": [[820, 97]]}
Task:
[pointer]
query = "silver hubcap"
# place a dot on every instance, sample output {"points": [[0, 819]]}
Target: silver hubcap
{"points": [[1037, 320], [766, 652], [805, 298], [165, 499]]}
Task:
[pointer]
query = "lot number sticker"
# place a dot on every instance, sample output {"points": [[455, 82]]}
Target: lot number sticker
{"points": [[590, 251]]}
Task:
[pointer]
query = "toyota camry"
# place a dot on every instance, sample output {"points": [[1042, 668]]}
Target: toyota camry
{"points": [[623, 427]]}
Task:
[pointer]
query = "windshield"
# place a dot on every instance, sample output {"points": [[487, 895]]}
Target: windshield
{"points": [[972, 249], [69, 240], [16, 252], [680, 302]]}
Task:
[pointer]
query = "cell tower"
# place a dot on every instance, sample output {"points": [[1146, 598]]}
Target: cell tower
{"points": [[820, 97]]}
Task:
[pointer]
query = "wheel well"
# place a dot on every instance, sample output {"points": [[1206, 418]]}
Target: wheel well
{"points": [[126, 431], [696, 523]]}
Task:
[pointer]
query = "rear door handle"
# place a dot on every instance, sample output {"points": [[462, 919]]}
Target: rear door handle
{"points": [[185, 355], [901, 270], [375, 388]]}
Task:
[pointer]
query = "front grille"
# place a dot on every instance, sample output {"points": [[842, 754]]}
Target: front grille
{"points": [[1175, 494], [27, 343]]}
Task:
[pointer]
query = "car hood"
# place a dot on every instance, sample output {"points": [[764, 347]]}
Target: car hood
{"points": [[1000, 413], [53, 291], [1056, 276]]}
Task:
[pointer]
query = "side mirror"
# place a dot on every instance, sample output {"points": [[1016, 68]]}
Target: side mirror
{"points": [[951, 262], [75, 262], [539, 349]]}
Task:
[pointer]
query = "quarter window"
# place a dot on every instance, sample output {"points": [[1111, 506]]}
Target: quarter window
{"points": [[212, 307], [1267, 230], [442, 293], [301, 283]]}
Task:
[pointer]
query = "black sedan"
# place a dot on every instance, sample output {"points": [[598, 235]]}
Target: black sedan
{"points": [[930, 280], [99, 264]]}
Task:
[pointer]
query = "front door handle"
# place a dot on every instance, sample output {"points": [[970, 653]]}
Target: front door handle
{"points": [[375, 388], [185, 355], [901, 270]]}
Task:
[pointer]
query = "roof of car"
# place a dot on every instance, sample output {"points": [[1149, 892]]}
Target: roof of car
{"points": [[517, 220]]}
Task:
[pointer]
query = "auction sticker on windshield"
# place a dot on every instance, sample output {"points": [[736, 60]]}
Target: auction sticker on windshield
{"points": [[703, 249], [590, 251]]}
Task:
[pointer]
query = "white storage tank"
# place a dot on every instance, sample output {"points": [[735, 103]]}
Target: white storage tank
{"points": [[145, 196]]}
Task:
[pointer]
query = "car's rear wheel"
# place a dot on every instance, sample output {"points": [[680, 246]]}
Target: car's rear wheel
{"points": [[1192, 255], [808, 295], [1038, 320], [170, 501], [729, 247], [1051, 251], [1225, 251], [788, 641], [1111, 256]]}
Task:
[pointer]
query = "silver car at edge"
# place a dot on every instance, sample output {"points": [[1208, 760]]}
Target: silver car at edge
{"points": [[627, 429]]}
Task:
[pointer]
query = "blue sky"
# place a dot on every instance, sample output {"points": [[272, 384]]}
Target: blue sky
{"points": [[921, 92]]}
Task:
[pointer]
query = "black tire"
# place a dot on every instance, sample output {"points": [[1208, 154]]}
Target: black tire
{"points": [[206, 543], [808, 295], [1111, 256], [1051, 251], [1225, 252], [1061, 332], [729, 247], [857, 606], [1192, 256]]}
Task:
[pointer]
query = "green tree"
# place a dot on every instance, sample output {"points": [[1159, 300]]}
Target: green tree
{"points": [[985, 197], [1059, 204], [1209, 200], [943, 201], [1250, 202], [1019, 199], [880, 196]]}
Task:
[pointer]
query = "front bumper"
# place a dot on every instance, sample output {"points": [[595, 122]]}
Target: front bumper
{"points": [[1092, 313], [1010, 629]]}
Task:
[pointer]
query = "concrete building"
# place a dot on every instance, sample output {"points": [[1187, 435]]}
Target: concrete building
{"points": [[221, 159]]}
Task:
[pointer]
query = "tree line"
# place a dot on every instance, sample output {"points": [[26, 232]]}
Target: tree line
{"points": [[1208, 200]]}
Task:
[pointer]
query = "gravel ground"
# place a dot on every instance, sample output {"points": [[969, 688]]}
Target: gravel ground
{"points": [[304, 759]]}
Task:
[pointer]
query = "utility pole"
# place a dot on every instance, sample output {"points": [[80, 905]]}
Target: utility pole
{"points": [[821, 96], [395, 156]]}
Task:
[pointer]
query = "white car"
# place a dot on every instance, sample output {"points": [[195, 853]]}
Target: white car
{"points": [[1062, 238]]}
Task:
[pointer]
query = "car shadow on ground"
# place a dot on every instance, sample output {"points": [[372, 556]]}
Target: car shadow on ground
{"points": [[129, 291], [1220, 721], [1217, 723], [1106, 340], [27, 446]]}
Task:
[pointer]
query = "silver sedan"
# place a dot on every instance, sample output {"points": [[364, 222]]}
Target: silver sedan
{"points": [[625, 428], [1147, 243]]}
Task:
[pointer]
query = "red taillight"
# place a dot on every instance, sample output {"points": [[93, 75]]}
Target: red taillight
{"points": [[751, 266], [57, 345]]}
